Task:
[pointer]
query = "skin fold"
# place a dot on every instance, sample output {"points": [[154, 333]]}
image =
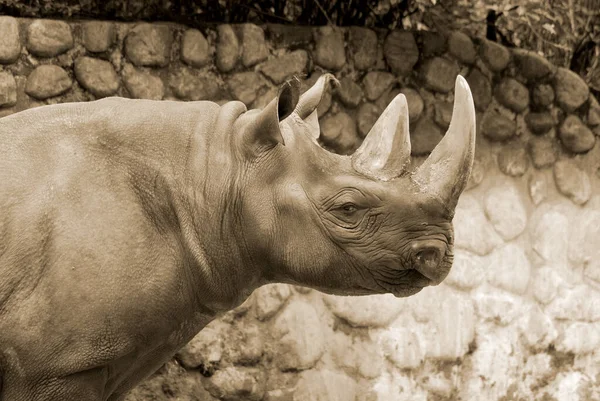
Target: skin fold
{"points": [[128, 225]]}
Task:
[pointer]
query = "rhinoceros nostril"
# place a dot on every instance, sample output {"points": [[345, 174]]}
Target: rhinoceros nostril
{"points": [[428, 255]]}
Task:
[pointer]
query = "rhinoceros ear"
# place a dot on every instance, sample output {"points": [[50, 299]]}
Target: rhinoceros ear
{"points": [[310, 100], [264, 130]]}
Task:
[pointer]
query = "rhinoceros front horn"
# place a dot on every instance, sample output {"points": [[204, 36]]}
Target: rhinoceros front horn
{"points": [[385, 151], [447, 169]]}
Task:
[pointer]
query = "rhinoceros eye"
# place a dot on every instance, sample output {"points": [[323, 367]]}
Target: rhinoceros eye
{"points": [[348, 213]]}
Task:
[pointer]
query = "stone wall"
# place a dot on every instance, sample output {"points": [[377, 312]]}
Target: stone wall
{"points": [[519, 316]]}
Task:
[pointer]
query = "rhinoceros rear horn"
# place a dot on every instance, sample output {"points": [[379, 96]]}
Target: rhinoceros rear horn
{"points": [[447, 169]]}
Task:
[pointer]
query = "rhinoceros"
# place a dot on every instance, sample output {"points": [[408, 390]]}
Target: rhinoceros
{"points": [[126, 226]]}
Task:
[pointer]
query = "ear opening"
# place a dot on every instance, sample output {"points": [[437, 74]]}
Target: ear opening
{"points": [[287, 98]]}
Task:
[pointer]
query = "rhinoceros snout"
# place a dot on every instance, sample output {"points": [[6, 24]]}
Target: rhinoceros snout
{"points": [[428, 260]]}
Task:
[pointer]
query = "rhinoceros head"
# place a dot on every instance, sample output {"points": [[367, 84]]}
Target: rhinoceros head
{"points": [[361, 224]]}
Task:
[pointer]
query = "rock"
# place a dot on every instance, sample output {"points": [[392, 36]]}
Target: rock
{"points": [[545, 284], [269, 299], [512, 94], [300, 341], [244, 86], [49, 38], [575, 135], [10, 46], [537, 329], [513, 159], [47, 81], [254, 48], [540, 123], [403, 347], [142, 85], [290, 36], [579, 303], [324, 385], [569, 386], [363, 46], [497, 127], [461, 47], [477, 174], [531, 65], [495, 55], [439, 74], [593, 117], [367, 115], [472, 230], [509, 269], [188, 86], [401, 52], [149, 45], [205, 350], [245, 344], [98, 36], [497, 306], [283, 67], [467, 271], [415, 103], [97, 76], [579, 338], [228, 48], [376, 83], [543, 151], [538, 187], [505, 209], [349, 92], [339, 132], [329, 50], [442, 114], [366, 311], [365, 359], [572, 182], [542, 95], [571, 90], [433, 43], [235, 383], [195, 50], [8, 89], [481, 88], [425, 136], [549, 237]]}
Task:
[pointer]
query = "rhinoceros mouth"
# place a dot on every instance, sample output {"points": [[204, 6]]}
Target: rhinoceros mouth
{"points": [[403, 283]]}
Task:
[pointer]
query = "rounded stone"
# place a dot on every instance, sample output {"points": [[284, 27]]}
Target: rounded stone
{"points": [[98, 36], [439, 74], [513, 160], [205, 350], [280, 68], [366, 311], [540, 123], [245, 344], [543, 151], [505, 209], [481, 89], [228, 48], [97, 76], [495, 55], [531, 65], [324, 385], [254, 48], [467, 271], [538, 187], [363, 46], [235, 383], [593, 117], [580, 302], [403, 347], [542, 95], [149, 45], [545, 284], [195, 50], [425, 136], [461, 47], [49, 38], [575, 135], [570, 89], [477, 174], [244, 86], [509, 268], [497, 127], [512, 94], [366, 116], [401, 51], [10, 45], [47, 81], [187, 85], [329, 50], [349, 92], [376, 83], [415, 103], [442, 113], [339, 132], [572, 182], [142, 85], [473, 231], [537, 329], [269, 299], [8, 89], [365, 358]]}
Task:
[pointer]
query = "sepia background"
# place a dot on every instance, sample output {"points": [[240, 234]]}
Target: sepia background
{"points": [[519, 316]]}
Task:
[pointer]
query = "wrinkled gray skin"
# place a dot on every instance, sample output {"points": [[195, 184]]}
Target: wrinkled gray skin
{"points": [[128, 225]]}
